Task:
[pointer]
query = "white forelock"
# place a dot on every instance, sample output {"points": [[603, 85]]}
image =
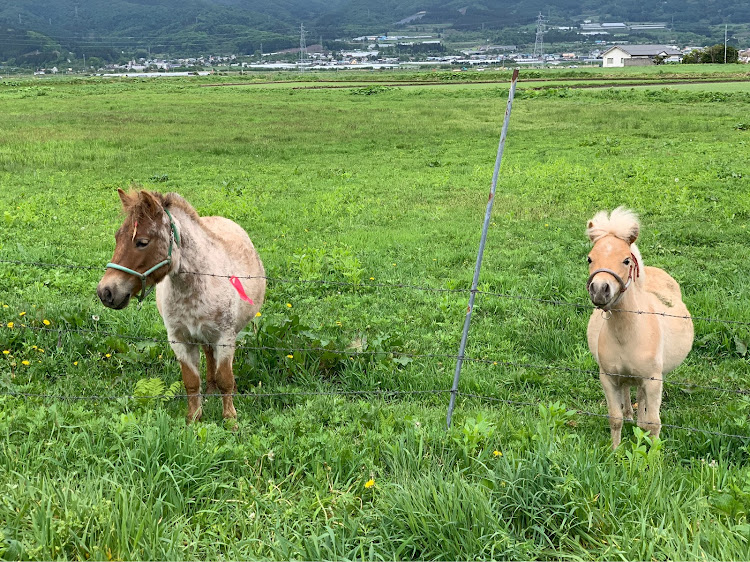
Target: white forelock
{"points": [[622, 223]]}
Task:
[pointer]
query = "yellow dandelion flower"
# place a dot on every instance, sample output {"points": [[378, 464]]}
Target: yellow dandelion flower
{"points": [[5, 306], [75, 362], [257, 315], [40, 350], [25, 362], [108, 355], [497, 454], [46, 322], [288, 305], [22, 314], [290, 356], [10, 324], [372, 279], [34, 347], [6, 352], [370, 483]]}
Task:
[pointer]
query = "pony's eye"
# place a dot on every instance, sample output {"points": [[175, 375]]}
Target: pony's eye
{"points": [[627, 261], [141, 242], [589, 259]]}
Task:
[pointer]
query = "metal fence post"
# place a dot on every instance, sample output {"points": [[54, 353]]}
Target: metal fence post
{"points": [[480, 253]]}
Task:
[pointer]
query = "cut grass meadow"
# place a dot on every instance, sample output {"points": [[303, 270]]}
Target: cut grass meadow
{"points": [[354, 196]]}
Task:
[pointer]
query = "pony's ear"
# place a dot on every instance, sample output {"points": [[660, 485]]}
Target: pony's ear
{"points": [[633, 235], [125, 197], [151, 203], [589, 230]]}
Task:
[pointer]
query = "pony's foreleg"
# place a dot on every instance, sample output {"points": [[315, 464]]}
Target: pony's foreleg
{"points": [[613, 391], [210, 369], [649, 404], [225, 379], [189, 357]]}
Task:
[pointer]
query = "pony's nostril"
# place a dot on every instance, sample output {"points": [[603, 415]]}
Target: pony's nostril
{"points": [[105, 295], [606, 290]]}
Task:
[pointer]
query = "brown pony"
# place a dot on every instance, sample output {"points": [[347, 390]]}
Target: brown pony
{"points": [[163, 242], [643, 329]]}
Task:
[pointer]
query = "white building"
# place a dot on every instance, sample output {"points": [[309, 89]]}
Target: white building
{"points": [[638, 55]]}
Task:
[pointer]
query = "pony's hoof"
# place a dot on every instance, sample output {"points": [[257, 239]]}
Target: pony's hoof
{"points": [[194, 417]]}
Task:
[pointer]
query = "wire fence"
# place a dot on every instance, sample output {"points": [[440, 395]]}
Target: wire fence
{"points": [[380, 352], [385, 394], [406, 286]]}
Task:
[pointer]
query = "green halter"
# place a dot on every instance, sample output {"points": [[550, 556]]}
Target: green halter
{"points": [[174, 238]]}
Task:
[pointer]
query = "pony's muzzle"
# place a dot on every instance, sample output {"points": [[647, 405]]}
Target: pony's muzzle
{"points": [[113, 295], [600, 293]]}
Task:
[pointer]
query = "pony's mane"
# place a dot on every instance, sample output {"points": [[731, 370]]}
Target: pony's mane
{"points": [[175, 200], [621, 223], [137, 207]]}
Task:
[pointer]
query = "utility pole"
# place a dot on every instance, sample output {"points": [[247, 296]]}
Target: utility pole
{"points": [[725, 44]]}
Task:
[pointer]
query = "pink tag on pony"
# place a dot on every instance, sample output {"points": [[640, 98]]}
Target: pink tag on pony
{"points": [[237, 284]]}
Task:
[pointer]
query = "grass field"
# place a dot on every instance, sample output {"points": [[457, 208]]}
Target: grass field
{"points": [[349, 193]]}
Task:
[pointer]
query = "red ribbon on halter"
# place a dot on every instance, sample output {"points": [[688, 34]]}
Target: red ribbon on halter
{"points": [[635, 266], [237, 284]]}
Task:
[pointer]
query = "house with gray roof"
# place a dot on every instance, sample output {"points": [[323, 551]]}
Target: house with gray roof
{"points": [[639, 55]]}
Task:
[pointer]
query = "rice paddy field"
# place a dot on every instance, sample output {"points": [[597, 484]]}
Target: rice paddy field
{"points": [[366, 202]]}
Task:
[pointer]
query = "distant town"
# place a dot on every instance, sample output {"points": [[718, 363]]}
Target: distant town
{"points": [[419, 50]]}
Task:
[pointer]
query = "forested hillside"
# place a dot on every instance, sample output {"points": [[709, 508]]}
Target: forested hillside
{"points": [[33, 31]]}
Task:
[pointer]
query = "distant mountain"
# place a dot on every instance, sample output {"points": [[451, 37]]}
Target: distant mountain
{"points": [[33, 31]]}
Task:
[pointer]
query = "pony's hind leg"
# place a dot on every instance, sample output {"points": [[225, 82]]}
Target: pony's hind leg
{"points": [[189, 357], [225, 379], [210, 369]]}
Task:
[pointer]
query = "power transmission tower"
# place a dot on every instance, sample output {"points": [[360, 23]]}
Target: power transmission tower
{"points": [[304, 59], [539, 41]]}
